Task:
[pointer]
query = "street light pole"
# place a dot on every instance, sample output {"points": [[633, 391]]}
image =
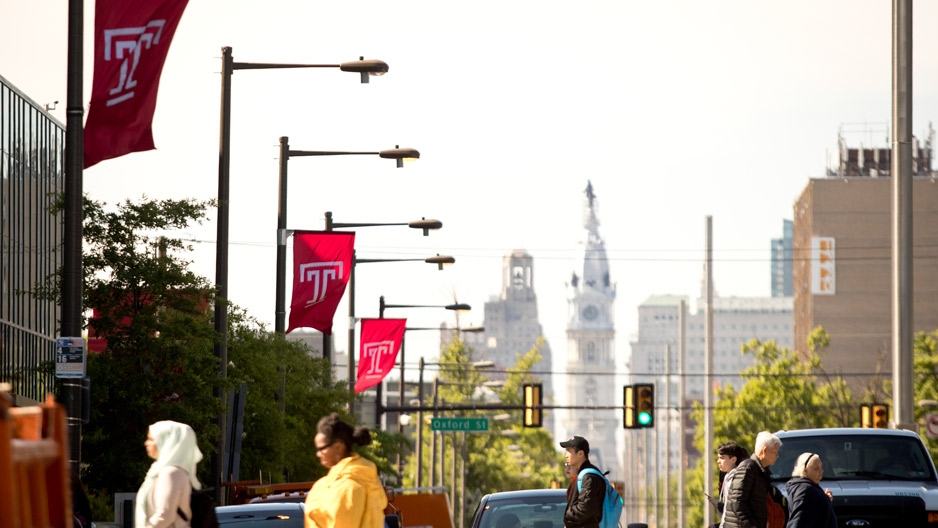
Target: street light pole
{"points": [[461, 307], [363, 67], [280, 309], [439, 260]]}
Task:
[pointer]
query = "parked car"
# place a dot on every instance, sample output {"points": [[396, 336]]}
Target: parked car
{"points": [[261, 515], [537, 508]]}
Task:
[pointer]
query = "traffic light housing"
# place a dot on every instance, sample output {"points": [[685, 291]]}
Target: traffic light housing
{"points": [[533, 400], [628, 407], [874, 415], [645, 405], [880, 416]]}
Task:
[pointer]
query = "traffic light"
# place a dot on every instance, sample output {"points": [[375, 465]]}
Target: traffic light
{"points": [[532, 404], [645, 405], [880, 416], [875, 415], [628, 407]]}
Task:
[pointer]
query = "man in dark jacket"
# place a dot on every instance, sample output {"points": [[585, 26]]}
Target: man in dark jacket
{"points": [[585, 508], [747, 487]]}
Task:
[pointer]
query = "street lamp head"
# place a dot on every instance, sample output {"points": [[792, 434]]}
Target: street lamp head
{"points": [[458, 307], [426, 225], [484, 364], [365, 67], [440, 260], [400, 154], [472, 329]]}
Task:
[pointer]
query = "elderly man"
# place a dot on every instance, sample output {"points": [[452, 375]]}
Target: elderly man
{"points": [[747, 488]]}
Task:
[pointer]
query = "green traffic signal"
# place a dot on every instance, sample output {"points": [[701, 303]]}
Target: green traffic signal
{"points": [[644, 418]]}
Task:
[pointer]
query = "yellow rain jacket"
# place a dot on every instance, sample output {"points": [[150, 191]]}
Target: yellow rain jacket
{"points": [[350, 496]]}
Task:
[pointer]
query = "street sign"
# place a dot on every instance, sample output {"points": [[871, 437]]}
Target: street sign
{"points": [[467, 425], [931, 425], [70, 357]]}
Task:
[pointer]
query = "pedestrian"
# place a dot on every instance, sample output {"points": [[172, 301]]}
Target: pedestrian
{"points": [[570, 472], [350, 495], [729, 455], [585, 509], [163, 498], [809, 505], [746, 490]]}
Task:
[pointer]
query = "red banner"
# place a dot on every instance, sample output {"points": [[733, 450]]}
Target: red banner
{"points": [[131, 40], [380, 342], [322, 265]]}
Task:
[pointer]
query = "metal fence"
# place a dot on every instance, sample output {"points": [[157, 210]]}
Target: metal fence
{"points": [[32, 173]]}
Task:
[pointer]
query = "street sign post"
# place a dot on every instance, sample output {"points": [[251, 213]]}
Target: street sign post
{"points": [[70, 357], [465, 425]]}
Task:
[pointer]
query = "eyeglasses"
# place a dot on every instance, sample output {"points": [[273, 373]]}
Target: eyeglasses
{"points": [[323, 448]]}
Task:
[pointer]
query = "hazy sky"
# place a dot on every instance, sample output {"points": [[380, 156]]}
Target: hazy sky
{"points": [[674, 109]]}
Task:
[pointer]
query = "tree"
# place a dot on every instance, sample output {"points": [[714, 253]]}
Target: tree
{"points": [[925, 361], [509, 456], [781, 392], [156, 319], [153, 314], [288, 391]]}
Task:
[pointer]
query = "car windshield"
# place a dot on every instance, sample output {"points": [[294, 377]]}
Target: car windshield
{"points": [[532, 512], [851, 457]]}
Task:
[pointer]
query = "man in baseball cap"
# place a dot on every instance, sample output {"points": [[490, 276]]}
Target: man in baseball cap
{"points": [[585, 507]]}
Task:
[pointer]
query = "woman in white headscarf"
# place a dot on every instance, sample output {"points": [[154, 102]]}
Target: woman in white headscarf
{"points": [[168, 486]]}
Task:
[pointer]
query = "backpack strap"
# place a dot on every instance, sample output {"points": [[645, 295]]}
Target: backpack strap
{"points": [[579, 477], [183, 515]]}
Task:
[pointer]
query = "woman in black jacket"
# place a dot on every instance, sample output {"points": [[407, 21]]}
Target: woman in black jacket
{"points": [[808, 504]]}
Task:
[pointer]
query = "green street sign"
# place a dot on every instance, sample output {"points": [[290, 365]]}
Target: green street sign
{"points": [[467, 425]]}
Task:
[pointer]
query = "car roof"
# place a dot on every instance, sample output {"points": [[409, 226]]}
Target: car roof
{"points": [[839, 431], [260, 510], [526, 494]]}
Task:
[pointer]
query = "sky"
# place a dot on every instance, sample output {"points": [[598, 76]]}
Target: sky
{"points": [[674, 110]]}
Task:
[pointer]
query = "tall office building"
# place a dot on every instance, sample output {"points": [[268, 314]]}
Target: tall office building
{"points": [[512, 327], [782, 261], [842, 253], [591, 361]]}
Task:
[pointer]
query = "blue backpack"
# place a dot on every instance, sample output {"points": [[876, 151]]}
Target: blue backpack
{"points": [[612, 502]]}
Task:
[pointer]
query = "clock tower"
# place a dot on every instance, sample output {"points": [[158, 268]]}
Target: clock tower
{"points": [[591, 363]]}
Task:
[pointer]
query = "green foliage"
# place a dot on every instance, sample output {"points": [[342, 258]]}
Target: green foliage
{"points": [[925, 360], [156, 317], [509, 456], [153, 314], [781, 392], [288, 391]]}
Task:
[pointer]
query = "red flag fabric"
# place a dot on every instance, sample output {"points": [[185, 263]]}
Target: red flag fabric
{"points": [[131, 40], [322, 265], [380, 342]]}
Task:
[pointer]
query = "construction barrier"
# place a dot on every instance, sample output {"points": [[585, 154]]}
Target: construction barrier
{"points": [[35, 488]]}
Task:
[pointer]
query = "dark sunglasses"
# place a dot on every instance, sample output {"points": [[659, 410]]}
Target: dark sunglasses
{"points": [[327, 446]]}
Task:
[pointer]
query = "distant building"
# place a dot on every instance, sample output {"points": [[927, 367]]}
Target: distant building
{"points": [[782, 262], [512, 327], [591, 361], [736, 320], [843, 268]]}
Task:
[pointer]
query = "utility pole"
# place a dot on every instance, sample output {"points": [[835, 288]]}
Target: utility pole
{"points": [[902, 284], [708, 380]]}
